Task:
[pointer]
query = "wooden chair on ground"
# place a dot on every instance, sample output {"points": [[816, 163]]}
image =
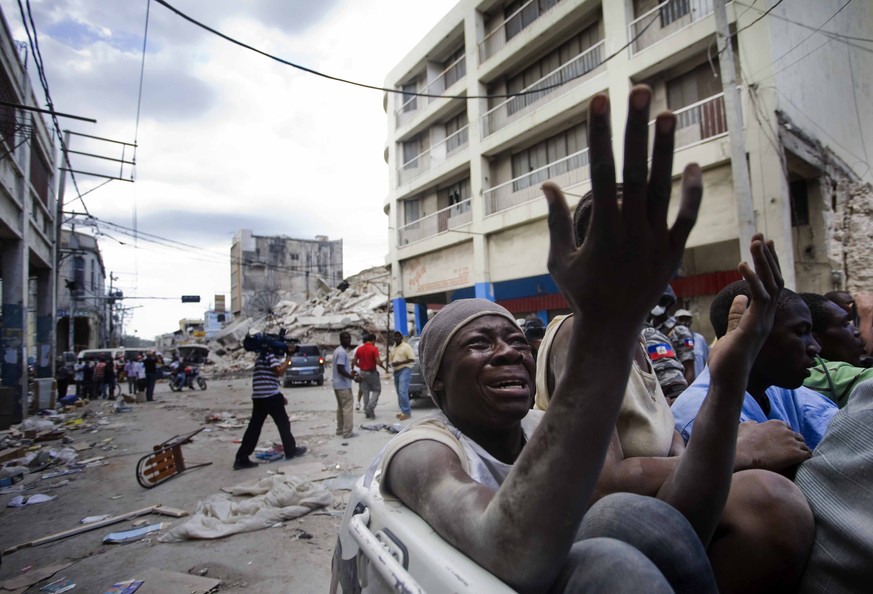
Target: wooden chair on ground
{"points": [[166, 461]]}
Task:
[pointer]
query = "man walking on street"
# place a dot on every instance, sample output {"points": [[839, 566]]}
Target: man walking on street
{"points": [[151, 374], [267, 400], [401, 360], [342, 387], [367, 358]]}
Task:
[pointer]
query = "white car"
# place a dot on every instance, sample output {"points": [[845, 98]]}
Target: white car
{"points": [[383, 546]]}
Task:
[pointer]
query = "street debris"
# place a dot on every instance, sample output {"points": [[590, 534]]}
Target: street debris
{"points": [[21, 500], [125, 587], [56, 587], [29, 578], [132, 535]]}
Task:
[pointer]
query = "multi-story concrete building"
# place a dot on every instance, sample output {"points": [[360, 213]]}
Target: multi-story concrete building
{"points": [[27, 231], [508, 85], [82, 298], [267, 269]]}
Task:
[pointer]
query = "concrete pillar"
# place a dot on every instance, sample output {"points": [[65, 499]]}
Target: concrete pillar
{"points": [[44, 323], [13, 334], [420, 317], [616, 16]]}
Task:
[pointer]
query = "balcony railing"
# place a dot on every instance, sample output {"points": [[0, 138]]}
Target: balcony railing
{"points": [[446, 79], [433, 156], [554, 84], [698, 122], [498, 37], [571, 170], [447, 219], [666, 19]]}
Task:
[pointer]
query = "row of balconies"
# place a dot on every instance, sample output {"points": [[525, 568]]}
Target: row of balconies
{"points": [[666, 19], [697, 123]]}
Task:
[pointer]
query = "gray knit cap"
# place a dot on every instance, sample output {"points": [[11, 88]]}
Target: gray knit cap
{"points": [[439, 331]]}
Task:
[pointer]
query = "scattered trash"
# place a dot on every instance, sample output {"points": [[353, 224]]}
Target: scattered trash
{"points": [[58, 586], [126, 587], [395, 428], [201, 571], [92, 519], [52, 475], [21, 500], [301, 534], [21, 582], [131, 535]]}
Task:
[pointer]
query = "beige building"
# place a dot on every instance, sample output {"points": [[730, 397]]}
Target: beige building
{"points": [[508, 86], [267, 269]]}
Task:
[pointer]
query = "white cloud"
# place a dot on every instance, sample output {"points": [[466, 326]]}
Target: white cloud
{"points": [[228, 139]]}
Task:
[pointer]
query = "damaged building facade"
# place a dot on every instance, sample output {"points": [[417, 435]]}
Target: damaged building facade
{"points": [[265, 270], [466, 214], [82, 305]]}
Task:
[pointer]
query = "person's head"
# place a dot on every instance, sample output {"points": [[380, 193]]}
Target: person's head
{"points": [[398, 337], [534, 333], [345, 339], [834, 330], [845, 300], [661, 311], [683, 317], [477, 364], [369, 337], [788, 353]]}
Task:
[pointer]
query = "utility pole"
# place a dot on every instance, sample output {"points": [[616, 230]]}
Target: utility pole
{"points": [[59, 219], [742, 185]]}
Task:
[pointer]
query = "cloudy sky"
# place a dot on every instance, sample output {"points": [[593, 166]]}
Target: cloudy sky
{"points": [[227, 139]]}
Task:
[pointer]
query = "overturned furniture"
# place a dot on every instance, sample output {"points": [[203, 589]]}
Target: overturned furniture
{"points": [[166, 461]]}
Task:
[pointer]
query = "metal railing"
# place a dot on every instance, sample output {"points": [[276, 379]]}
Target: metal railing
{"points": [[568, 76], [698, 122], [669, 17], [446, 219], [454, 72], [496, 39], [570, 170], [433, 156]]}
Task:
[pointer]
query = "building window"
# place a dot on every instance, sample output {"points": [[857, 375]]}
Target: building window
{"points": [[455, 68], [411, 150], [7, 113], [40, 172], [799, 196], [78, 288], [93, 276], [530, 11], [411, 210], [409, 97], [295, 256], [529, 167], [674, 10], [456, 132]]}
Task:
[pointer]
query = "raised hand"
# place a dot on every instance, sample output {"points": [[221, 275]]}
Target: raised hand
{"points": [[770, 446], [749, 324], [630, 252]]}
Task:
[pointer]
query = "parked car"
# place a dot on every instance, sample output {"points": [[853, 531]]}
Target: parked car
{"points": [[417, 385], [307, 365], [418, 559]]}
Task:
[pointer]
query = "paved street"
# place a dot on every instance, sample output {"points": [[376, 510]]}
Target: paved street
{"points": [[281, 559]]}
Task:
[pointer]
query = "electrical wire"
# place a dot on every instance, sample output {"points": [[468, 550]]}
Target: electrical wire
{"points": [[805, 26], [205, 27], [37, 58]]}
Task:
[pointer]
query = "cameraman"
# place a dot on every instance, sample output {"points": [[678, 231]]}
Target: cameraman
{"points": [[268, 400]]}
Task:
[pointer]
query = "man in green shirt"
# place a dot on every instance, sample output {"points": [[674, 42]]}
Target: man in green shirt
{"points": [[837, 370]]}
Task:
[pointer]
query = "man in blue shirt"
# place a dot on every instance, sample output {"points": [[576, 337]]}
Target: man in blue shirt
{"points": [[774, 387]]}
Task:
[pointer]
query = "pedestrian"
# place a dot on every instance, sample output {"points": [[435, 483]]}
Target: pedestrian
{"points": [[109, 380], [97, 379], [355, 371], [63, 377], [701, 347], [150, 366], [88, 380], [267, 400], [367, 357], [79, 377], [130, 370], [401, 360], [342, 387]]}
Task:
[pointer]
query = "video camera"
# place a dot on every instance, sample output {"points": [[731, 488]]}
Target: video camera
{"points": [[262, 343]]}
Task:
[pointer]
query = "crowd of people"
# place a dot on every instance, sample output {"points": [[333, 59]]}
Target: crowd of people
{"points": [[100, 378], [648, 462]]}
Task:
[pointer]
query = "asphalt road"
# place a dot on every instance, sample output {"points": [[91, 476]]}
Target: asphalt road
{"points": [[292, 558]]}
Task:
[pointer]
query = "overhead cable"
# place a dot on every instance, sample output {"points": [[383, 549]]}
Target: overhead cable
{"points": [[194, 21]]}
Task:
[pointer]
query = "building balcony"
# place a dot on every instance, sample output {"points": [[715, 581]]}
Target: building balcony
{"points": [[666, 19], [435, 155], [447, 219], [438, 88], [503, 34], [555, 84], [569, 171], [698, 122]]}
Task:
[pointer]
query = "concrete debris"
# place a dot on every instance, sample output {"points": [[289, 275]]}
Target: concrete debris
{"points": [[361, 308]]}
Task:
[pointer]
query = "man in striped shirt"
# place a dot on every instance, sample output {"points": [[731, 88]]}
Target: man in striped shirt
{"points": [[267, 400]]}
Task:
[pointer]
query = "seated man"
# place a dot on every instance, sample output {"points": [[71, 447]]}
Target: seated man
{"points": [[766, 522], [774, 388], [838, 370]]}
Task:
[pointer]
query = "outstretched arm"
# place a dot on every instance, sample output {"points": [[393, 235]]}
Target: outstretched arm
{"points": [[699, 486], [632, 252]]}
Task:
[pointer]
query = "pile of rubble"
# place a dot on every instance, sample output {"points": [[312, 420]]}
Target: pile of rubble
{"points": [[361, 307]]}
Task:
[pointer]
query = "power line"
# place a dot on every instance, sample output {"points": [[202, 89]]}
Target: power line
{"points": [[805, 26], [205, 27]]}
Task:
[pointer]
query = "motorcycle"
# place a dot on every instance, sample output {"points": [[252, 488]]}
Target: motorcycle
{"points": [[192, 377]]}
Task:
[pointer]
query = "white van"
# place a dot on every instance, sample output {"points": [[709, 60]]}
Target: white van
{"points": [[97, 354]]}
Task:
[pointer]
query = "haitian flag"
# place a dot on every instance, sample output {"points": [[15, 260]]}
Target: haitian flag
{"points": [[660, 350]]}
